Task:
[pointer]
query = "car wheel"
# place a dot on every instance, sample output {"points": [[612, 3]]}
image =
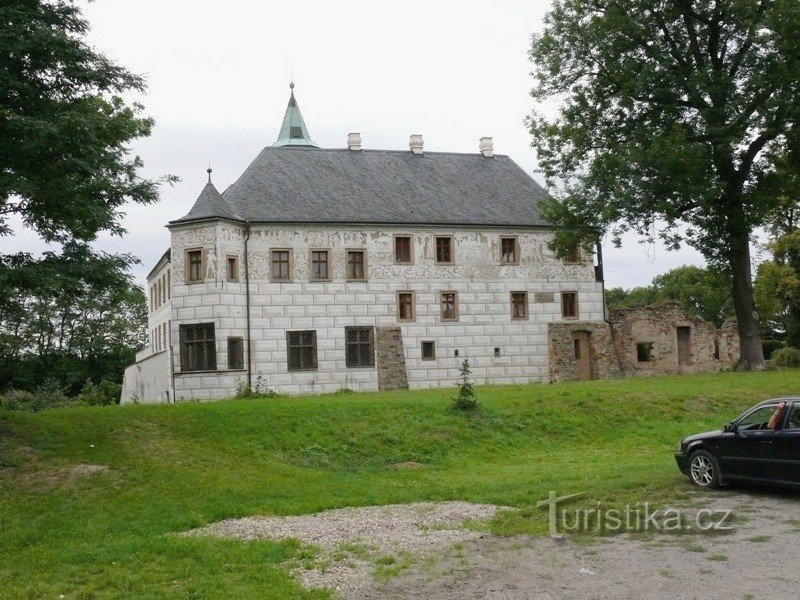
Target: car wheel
{"points": [[703, 470]]}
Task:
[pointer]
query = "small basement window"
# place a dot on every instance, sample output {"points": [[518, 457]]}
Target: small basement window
{"points": [[644, 351], [497, 352], [428, 350]]}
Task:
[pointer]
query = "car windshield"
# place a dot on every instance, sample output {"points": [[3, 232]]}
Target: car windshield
{"points": [[757, 419]]}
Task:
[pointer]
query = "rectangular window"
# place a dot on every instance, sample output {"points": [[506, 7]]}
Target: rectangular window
{"points": [[449, 304], [301, 350], [644, 351], [198, 348], [169, 284], [235, 353], [429, 351], [360, 346], [519, 305], [356, 270], [569, 305], [405, 306], [444, 250], [281, 265], [509, 253], [402, 249], [319, 265], [195, 260], [233, 268]]}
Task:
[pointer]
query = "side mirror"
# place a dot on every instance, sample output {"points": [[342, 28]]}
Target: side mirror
{"points": [[729, 427]]}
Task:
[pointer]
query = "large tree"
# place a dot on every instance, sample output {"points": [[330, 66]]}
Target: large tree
{"points": [[672, 113], [65, 129]]}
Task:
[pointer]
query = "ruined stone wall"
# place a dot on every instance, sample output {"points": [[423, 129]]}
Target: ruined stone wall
{"points": [[500, 350], [602, 357], [710, 349]]}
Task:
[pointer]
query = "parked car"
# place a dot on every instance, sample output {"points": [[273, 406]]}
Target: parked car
{"points": [[762, 445]]}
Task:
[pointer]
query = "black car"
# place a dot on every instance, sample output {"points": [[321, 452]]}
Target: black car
{"points": [[762, 445]]}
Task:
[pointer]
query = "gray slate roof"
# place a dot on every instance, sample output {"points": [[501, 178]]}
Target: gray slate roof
{"points": [[315, 185]]}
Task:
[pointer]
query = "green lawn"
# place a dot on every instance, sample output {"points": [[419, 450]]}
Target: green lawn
{"points": [[175, 467]]}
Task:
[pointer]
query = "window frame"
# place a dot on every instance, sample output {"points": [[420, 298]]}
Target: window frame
{"points": [[348, 343], [235, 259], [525, 306], [422, 350], [311, 252], [436, 239], [347, 252], [290, 266], [644, 352], [410, 239], [515, 239], [413, 295], [188, 257], [240, 341], [563, 305], [210, 342], [299, 346], [456, 311]]}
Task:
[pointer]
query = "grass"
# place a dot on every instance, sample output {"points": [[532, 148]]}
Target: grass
{"points": [[175, 467]]}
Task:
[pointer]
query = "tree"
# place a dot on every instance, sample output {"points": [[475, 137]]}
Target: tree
{"points": [[74, 315], [673, 114], [65, 168], [702, 292]]}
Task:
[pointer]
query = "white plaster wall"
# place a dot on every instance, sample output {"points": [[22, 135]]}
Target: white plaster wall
{"points": [[147, 380], [483, 285], [162, 313]]}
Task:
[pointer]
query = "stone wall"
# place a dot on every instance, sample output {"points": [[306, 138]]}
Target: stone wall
{"points": [[390, 359], [500, 350], [602, 353], [657, 326]]}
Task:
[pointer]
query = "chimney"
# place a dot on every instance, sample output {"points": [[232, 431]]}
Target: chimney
{"points": [[354, 141], [415, 143], [486, 147]]}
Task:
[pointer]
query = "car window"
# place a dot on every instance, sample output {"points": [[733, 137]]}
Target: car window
{"points": [[757, 419], [794, 417]]}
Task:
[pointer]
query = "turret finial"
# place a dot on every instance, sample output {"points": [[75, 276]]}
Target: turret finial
{"points": [[209, 172]]}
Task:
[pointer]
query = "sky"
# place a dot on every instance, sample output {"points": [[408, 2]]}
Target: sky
{"points": [[218, 82]]}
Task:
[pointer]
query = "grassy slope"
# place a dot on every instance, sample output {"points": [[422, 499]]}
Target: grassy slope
{"points": [[177, 467]]}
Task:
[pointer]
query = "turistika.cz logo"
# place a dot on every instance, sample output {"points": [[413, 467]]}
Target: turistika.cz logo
{"points": [[636, 517]]}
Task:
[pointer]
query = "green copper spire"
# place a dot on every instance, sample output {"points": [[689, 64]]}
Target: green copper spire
{"points": [[293, 130]]}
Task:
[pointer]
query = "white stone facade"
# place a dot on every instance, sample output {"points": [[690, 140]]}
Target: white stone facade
{"points": [[499, 348]]}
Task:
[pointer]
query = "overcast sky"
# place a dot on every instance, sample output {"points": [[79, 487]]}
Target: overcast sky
{"points": [[218, 75]]}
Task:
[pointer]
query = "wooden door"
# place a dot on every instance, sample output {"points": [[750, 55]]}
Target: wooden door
{"points": [[580, 341]]}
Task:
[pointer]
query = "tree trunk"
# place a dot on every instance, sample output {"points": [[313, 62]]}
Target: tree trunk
{"points": [[751, 352]]}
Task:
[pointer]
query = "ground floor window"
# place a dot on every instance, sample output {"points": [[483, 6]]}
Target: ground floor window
{"points": [[301, 347], [429, 350], [360, 343], [235, 353], [198, 347]]}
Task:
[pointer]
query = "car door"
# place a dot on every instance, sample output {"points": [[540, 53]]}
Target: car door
{"points": [[786, 447], [747, 452]]}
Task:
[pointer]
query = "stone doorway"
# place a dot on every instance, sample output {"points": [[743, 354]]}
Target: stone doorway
{"points": [[580, 342], [684, 345]]}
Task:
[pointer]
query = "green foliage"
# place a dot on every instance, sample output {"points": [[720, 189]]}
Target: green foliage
{"points": [[16, 400], [673, 113], [104, 393], [66, 129], [259, 390], [174, 467], [702, 292], [770, 346], [786, 358], [466, 399], [47, 395], [75, 315]]}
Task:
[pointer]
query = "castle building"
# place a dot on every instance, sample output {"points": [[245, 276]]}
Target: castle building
{"points": [[322, 269]]}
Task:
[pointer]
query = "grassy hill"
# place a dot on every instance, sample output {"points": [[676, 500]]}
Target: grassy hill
{"points": [[174, 467]]}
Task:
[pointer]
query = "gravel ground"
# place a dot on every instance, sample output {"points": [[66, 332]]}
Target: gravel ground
{"points": [[422, 551], [355, 544]]}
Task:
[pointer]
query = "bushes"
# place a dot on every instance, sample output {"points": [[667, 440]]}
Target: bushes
{"points": [[104, 393], [785, 358], [16, 400], [770, 346], [48, 395]]}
